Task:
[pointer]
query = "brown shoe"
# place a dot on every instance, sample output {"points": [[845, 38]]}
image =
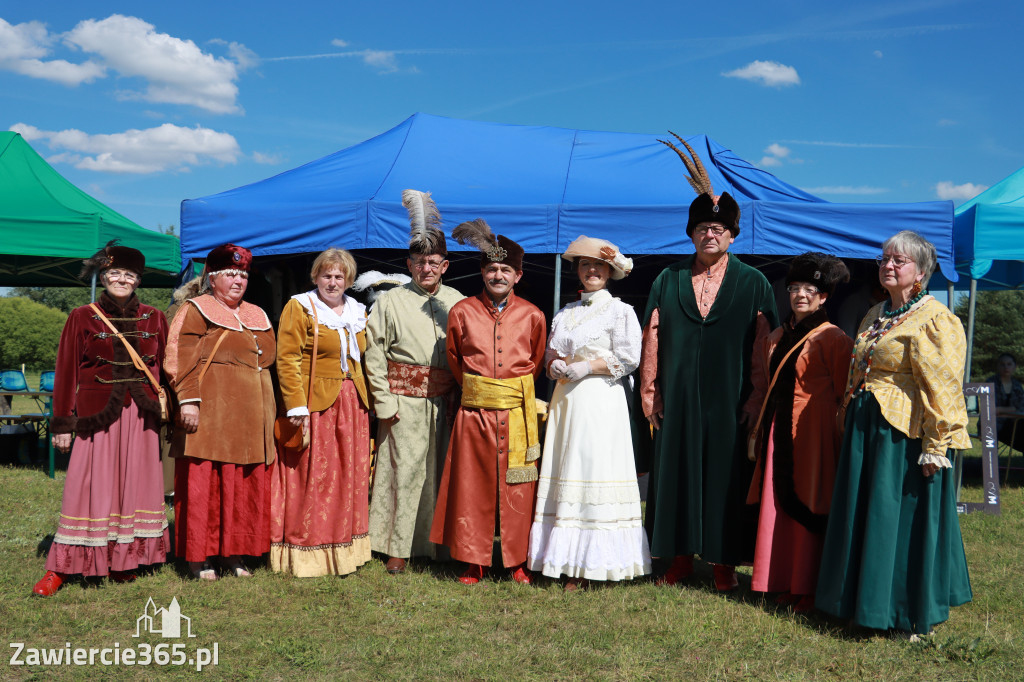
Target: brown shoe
{"points": [[395, 565]]}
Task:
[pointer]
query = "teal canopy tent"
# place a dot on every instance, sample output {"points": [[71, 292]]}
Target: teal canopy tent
{"points": [[988, 237]]}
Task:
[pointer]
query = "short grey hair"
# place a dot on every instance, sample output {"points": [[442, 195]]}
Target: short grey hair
{"points": [[917, 248]]}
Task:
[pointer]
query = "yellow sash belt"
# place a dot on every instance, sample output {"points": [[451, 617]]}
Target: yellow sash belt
{"points": [[516, 396]]}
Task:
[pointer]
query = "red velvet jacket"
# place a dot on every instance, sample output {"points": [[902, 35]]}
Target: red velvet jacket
{"points": [[95, 376]]}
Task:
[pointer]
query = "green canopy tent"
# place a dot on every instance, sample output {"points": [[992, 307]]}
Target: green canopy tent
{"points": [[47, 225]]}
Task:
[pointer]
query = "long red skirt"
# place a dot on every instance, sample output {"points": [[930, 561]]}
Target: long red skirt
{"points": [[787, 555], [220, 509], [112, 517], [320, 497]]}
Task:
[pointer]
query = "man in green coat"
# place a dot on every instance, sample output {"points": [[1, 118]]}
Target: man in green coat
{"points": [[702, 319]]}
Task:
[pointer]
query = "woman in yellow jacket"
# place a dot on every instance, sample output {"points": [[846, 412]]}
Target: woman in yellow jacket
{"points": [[320, 494]]}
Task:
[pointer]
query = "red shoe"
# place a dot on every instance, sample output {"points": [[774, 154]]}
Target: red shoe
{"points": [[725, 577], [122, 577], [805, 605], [681, 569], [473, 574], [48, 586], [521, 575]]}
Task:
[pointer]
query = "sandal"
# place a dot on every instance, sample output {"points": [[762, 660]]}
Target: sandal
{"points": [[202, 571]]}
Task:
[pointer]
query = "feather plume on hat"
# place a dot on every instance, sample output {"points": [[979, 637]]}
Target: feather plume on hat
{"points": [[478, 233], [425, 235], [698, 177]]}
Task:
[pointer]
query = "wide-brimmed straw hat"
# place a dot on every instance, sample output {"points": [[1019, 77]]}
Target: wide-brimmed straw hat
{"points": [[601, 249]]}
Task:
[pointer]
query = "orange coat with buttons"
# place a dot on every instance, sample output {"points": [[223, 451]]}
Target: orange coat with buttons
{"points": [[500, 345]]}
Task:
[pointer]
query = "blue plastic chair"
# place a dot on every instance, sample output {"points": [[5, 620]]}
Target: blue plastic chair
{"points": [[46, 381], [13, 380]]}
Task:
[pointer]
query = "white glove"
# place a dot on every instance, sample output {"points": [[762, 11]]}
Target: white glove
{"points": [[556, 370], [577, 370]]}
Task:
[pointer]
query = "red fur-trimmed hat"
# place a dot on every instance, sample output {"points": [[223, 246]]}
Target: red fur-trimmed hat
{"points": [[228, 257]]}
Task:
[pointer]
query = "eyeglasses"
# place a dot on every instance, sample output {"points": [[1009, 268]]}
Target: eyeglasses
{"points": [[800, 288], [897, 261], [427, 264], [716, 230], [125, 275]]}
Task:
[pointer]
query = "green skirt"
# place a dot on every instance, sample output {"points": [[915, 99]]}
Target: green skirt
{"points": [[893, 555]]}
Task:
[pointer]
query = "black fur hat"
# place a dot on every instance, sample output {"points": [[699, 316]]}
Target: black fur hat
{"points": [[703, 209], [820, 269]]}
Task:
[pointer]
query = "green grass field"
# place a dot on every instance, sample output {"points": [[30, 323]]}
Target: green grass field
{"points": [[425, 625]]}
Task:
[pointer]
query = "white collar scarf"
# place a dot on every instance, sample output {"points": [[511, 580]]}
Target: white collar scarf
{"points": [[352, 320]]}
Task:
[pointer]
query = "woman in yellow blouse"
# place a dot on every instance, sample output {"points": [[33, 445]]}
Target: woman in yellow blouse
{"points": [[320, 495], [893, 555]]}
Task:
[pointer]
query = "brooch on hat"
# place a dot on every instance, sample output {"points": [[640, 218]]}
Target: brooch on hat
{"points": [[237, 257], [496, 253]]}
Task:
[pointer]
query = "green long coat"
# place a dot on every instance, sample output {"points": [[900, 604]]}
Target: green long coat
{"points": [[699, 468]]}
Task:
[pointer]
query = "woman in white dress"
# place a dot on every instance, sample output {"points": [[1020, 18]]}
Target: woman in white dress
{"points": [[587, 523]]}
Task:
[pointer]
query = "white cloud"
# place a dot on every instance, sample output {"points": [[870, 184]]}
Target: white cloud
{"points": [[968, 190], [877, 53], [846, 189], [176, 70], [267, 159], [946, 122], [338, 42], [777, 150], [769, 162], [382, 60], [771, 74], [22, 47], [166, 147]]}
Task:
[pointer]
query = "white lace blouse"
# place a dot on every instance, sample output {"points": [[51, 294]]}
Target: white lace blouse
{"points": [[599, 326]]}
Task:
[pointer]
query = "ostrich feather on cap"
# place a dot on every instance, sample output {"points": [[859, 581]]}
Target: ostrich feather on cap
{"points": [[425, 235], [373, 283]]}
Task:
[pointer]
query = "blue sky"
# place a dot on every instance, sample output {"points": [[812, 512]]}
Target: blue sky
{"points": [[145, 104]]}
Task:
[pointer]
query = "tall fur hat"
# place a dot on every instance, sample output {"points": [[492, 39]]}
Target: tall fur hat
{"points": [[425, 235], [493, 249], [707, 207], [113, 256], [820, 269]]}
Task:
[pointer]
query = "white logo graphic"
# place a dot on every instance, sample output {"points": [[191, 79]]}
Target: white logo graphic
{"points": [[164, 622]]}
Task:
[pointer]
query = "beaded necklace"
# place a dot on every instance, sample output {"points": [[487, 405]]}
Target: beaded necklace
{"points": [[886, 322]]}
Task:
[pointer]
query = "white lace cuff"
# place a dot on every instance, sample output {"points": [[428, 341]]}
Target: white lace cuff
{"points": [[616, 368], [300, 411], [937, 460]]}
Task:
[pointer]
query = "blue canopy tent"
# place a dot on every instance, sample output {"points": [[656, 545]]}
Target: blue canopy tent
{"points": [[543, 187], [989, 240]]}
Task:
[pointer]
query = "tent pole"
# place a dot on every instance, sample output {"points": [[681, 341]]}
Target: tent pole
{"points": [[970, 328], [949, 297], [558, 283], [92, 289]]}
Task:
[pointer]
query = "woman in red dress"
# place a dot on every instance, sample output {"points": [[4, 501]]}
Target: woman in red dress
{"points": [[320, 495]]}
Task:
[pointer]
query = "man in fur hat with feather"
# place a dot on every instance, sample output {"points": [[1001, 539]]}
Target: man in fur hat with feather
{"points": [[703, 316], [413, 392], [496, 344]]}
